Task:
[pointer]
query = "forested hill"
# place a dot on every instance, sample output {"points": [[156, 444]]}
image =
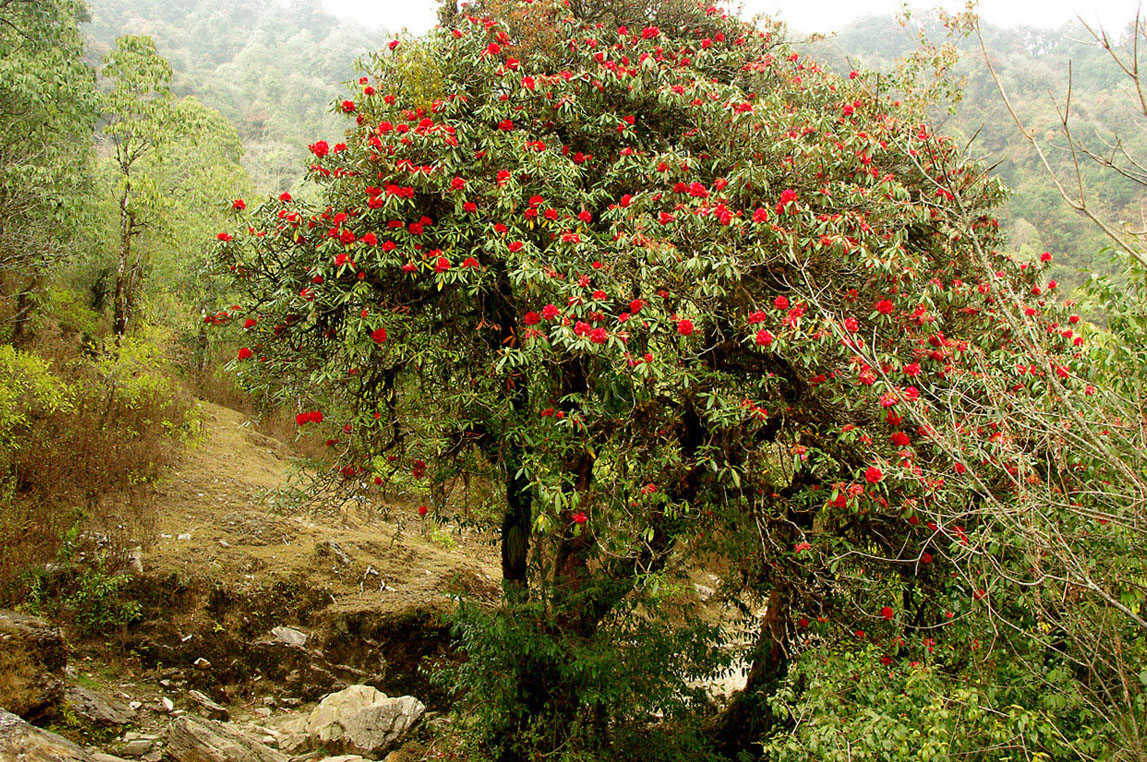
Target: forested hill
{"points": [[272, 68], [1033, 64]]}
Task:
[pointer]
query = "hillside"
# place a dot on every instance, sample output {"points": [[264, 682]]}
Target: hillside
{"points": [[271, 68], [1033, 64]]}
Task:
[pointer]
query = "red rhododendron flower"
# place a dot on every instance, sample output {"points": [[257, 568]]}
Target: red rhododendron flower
{"points": [[764, 338], [873, 475], [685, 327], [245, 353], [378, 335], [887, 613]]}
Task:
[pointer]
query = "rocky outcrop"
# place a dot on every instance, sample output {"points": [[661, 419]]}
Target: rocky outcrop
{"points": [[96, 708], [32, 661], [358, 720], [21, 742], [209, 707], [192, 739]]}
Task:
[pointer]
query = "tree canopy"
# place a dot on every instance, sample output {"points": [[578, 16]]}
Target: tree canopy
{"points": [[682, 292]]}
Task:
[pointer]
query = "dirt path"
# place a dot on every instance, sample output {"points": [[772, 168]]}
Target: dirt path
{"points": [[215, 525]]}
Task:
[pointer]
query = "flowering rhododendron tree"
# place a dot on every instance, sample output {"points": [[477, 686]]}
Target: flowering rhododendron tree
{"points": [[685, 296]]}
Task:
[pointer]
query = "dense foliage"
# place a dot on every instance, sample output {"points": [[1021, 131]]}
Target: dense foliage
{"points": [[683, 301], [47, 107], [109, 184], [685, 296]]}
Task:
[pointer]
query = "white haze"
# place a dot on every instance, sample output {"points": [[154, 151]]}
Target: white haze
{"points": [[803, 15]]}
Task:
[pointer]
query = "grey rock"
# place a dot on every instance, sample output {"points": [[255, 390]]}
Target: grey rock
{"points": [[99, 756], [290, 636], [21, 742], [193, 739], [96, 708], [213, 710], [32, 662], [360, 720], [137, 748]]}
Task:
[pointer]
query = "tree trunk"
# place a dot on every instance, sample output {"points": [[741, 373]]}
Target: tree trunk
{"points": [[516, 527], [125, 269], [748, 718], [571, 571], [119, 304], [25, 307]]}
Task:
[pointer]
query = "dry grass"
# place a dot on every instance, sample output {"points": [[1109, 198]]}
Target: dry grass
{"points": [[213, 383], [75, 476]]}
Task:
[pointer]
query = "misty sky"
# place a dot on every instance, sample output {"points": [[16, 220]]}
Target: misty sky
{"points": [[803, 15]]}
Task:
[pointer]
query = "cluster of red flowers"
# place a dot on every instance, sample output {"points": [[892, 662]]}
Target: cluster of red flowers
{"points": [[313, 416]]}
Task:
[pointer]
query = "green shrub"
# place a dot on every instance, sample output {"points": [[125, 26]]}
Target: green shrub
{"points": [[28, 389], [629, 691], [843, 704]]}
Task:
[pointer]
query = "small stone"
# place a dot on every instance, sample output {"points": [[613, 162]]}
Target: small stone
{"points": [[268, 701], [213, 710], [135, 704], [290, 636], [136, 748], [184, 537], [96, 708], [262, 711], [166, 705], [202, 663]]}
